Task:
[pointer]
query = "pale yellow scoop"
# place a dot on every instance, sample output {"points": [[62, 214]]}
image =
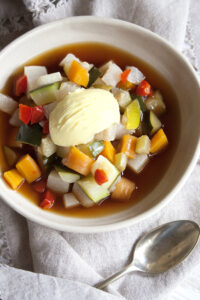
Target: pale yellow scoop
{"points": [[80, 115]]}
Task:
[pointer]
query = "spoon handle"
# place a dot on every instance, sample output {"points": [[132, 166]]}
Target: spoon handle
{"points": [[116, 276]]}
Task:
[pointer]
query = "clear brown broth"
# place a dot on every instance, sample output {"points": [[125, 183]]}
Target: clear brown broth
{"points": [[98, 54]]}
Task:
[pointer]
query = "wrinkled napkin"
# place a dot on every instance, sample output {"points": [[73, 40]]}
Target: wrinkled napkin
{"points": [[41, 263]]}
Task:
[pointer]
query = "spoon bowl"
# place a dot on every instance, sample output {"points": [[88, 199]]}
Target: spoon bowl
{"points": [[165, 246], [161, 249]]}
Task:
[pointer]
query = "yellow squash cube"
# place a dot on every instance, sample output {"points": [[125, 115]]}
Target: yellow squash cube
{"points": [[13, 178], [28, 168]]}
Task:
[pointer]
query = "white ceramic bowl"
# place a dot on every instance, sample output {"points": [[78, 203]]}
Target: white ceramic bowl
{"points": [[160, 54]]}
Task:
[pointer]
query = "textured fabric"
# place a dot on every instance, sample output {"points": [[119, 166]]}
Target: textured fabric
{"points": [[66, 265]]}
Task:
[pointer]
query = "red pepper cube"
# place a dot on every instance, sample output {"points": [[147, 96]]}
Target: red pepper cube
{"points": [[100, 177], [124, 75], [25, 113], [48, 200], [143, 89], [37, 114], [40, 186], [21, 85], [45, 129]]}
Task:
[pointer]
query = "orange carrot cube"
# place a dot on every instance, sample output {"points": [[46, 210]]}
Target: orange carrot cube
{"points": [[78, 161], [78, 74], [128, 145], [158, 142], [109, 151]]}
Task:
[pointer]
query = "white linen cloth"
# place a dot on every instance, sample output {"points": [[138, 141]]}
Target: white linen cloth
{"points": [[41, 263]]}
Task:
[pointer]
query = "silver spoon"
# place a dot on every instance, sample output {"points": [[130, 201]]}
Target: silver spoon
{"points": [[160, 249]]}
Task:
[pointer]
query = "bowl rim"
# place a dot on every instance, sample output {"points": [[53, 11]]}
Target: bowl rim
{"points": [[125, 223]]}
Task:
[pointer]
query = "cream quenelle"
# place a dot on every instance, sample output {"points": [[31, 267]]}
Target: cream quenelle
{"points": [[80, 115]]}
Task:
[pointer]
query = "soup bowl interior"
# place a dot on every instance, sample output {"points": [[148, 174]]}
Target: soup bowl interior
{"points": [[153, 50]]}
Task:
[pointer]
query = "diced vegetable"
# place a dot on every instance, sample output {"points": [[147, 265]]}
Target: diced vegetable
{"points": [[132, 114], [141, 101], [158, 142], [28, 168], [108, 134], [48, 163], [143, 89], [145, 126], [7, 104], [154, 122], [67, 174], [123, 190], [135, 76], [62, 151], [66, 88], [25, 113], [45, 94], [128, 145], [142, 128], [14, 119], [40, 186], [124, 75], [78, 74], [111, 73], [138, 163], [100, 176], [69, 58], [48, 109], [78, 161], [108, 151], [30, 134], [156, 103], [94, 73], [98, 82], [48, 200], [48, 79], [45, 129], [121, 161], [47, 147], [105, 67], [123, 98], [102, 86], [21, 85], [85, 149], [143, 145], [56, 183], [112, 188], [121, 131], [127, 85], [70, 201], [110, 170], [10, 155], [32, 73], [13, 178], [81, 196], [86, 65], [37, 115], [94, 191], [96, 148]]}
